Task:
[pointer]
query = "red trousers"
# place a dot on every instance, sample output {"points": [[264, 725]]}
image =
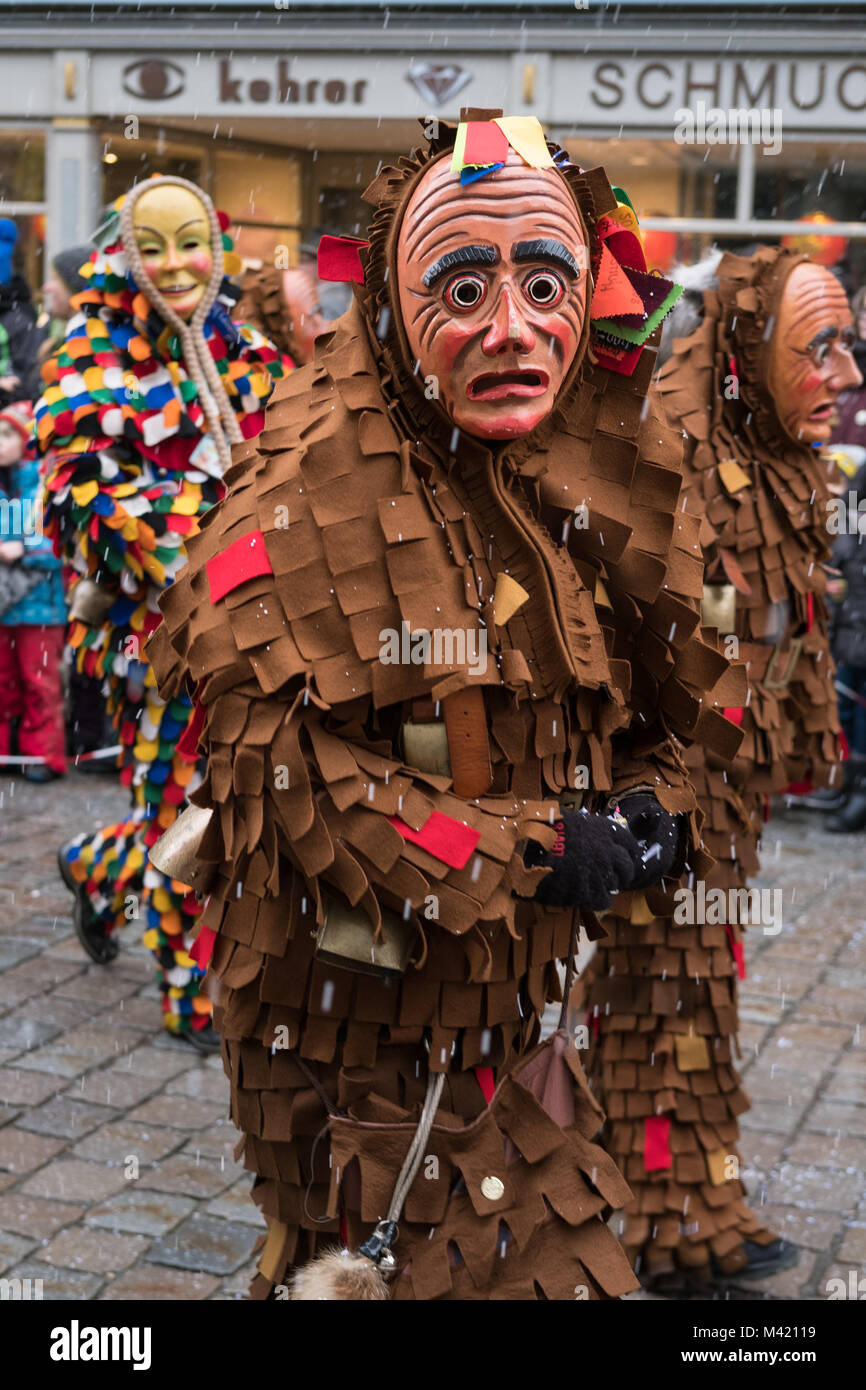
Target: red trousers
{"points": [[30, 691]]}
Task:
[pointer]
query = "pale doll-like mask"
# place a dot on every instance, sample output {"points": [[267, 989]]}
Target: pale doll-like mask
{"points": [[173, 234], [492, 280]]}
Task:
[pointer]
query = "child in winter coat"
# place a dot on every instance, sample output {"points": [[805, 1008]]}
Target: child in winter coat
{"points": [[32, 608]]}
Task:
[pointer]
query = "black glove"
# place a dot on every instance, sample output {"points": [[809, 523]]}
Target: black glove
{"points": [[659, 836], [594, 857]]}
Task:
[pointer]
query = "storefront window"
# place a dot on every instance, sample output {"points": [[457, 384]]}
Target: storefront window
{"points": [[22, 180], [128, 162], [262, 195]]}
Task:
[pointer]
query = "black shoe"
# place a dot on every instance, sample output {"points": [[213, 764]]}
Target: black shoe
{"points": [[761, 1260], [710, 1281], [89, 929], [827, 799], [40, 772], [96, 767], [853, 814], [204, 1040]]}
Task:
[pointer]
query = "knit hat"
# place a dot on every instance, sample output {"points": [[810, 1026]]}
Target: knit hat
{"points": [[68, 264], [8, 238], [20, 416]]}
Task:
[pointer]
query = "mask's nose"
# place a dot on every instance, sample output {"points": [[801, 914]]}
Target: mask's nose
{"points": [[509, 330]]}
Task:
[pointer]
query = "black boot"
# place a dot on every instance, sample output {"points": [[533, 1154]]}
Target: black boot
{"points": [[853, 814], [205, 1040], [89, 929], [830, 798]]}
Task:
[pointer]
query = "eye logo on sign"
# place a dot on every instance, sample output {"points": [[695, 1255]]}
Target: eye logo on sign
{"points": [[437, 82], [152, 79]]}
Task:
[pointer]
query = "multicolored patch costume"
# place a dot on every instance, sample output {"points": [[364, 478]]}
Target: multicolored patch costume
{"points": [[133, 468]]}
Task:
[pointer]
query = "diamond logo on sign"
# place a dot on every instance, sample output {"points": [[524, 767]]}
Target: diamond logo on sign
{"points": [[437, 82]]}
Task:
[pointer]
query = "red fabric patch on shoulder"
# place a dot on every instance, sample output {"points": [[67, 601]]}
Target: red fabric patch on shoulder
{"points": [[656, 1149], [337, 258], [246, 558], [446, 839]]}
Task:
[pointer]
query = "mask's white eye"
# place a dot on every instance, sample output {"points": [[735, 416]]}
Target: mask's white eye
{"points": [[465, 292], [544, 288]]}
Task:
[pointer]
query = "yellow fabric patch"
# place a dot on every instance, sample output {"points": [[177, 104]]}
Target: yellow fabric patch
{"points": [[717, 1163], [693, 1054], [85, 493], [508, 598], [732, 476], [525, 135], [641, 914]]}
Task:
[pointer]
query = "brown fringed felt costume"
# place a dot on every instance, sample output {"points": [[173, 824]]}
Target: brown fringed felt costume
{"points": [[662, 995], [263, 302], [396, 518]]}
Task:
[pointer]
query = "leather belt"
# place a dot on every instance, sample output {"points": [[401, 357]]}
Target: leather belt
{"points": [[457, 746]]}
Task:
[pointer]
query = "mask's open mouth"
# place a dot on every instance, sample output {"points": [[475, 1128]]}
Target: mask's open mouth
{"points": [[823, 412], [498, 386], [177, 289]]}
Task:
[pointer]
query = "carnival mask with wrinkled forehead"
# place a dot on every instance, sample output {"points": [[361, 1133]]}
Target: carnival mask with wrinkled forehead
{"points": [[492, 279], [811, 360], [173, 234]]}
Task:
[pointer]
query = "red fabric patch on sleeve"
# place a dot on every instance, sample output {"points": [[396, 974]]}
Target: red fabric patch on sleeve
{"points": [[484, 1077], [446, 839], [810, 612], [202, 948], [656, 1150], [737, 952], [187, 744], [337, 258], [246, 558]]}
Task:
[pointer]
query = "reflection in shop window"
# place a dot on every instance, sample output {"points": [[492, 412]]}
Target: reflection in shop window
{"points": [[22, 180]]}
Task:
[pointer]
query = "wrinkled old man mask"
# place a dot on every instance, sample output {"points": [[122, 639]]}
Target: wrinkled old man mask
{"points": [[810, 354], [493, 285], [173, 233]]}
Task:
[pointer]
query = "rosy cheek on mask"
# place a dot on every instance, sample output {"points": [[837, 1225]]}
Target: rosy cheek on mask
{"points": [[452, 339], [201, 263], [812, 382], [564, 335]]}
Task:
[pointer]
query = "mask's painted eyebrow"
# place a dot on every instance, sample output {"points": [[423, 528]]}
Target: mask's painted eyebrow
{"points": [[824, 335], [464, 255], [546, 249]]}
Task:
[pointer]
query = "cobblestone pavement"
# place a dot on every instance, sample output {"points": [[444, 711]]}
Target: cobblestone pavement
{"points": [[93, 1092]]}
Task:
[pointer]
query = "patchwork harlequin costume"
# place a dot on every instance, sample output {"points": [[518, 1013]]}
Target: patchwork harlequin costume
{"points": [[360, 810], [662, 989], [137, 429]]}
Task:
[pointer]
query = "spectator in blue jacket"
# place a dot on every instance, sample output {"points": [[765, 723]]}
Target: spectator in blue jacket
{"points": [[32, 608]]}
